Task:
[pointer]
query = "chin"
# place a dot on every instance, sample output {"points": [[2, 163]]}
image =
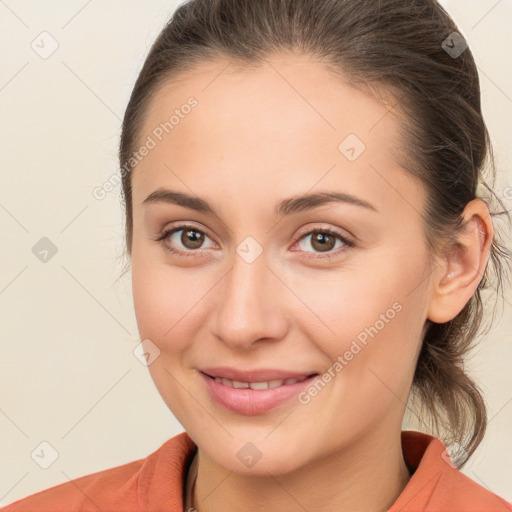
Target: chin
{"points": [[252, 458]]}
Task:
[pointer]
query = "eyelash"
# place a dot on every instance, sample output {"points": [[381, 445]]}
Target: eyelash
{"points": [[348, 243]]}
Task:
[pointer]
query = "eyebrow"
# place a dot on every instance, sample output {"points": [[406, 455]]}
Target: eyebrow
{"points": [[286, 207]]}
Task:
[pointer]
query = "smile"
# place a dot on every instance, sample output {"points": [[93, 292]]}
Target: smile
{"points": [[252, 398], [258, 385]]}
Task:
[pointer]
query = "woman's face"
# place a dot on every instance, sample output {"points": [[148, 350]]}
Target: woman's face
{"points": [[261, 284]]}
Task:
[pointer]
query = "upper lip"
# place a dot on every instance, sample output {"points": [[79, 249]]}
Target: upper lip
{"points": [[256, 375]]}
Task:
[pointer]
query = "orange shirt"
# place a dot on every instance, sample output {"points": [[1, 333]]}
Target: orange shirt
{"points": [[156, 483]]}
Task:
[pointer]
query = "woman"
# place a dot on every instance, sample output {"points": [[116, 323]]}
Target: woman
{"points": [[308, 245]]}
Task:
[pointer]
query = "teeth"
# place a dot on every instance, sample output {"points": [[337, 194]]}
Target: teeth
{"points": [[257, 385]]}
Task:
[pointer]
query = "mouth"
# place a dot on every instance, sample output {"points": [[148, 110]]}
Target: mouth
{"points": [[264, 384], [254, 397]]}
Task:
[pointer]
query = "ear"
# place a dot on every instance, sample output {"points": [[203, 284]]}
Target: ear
{"points": [[463, 265]]}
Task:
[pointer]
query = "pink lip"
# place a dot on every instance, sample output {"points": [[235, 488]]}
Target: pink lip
{"points": [[253, 401], [260, 375]]}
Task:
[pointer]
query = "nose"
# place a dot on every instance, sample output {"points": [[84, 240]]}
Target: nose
{"points": [[251, 305]]}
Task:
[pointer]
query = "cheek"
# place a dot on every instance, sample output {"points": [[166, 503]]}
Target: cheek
{"points": [[368, 315], [161, 305], [162, 301]]}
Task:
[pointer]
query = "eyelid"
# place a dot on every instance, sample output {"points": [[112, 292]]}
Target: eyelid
{"points": [[183, 225], [335, 231]]}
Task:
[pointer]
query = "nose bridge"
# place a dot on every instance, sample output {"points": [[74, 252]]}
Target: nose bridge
{"points": [[248, 307]]}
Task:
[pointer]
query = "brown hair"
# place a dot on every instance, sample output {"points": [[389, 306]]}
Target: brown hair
{"points": [[396, 46]]}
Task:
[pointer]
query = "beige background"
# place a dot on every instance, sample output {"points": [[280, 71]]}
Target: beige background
{"points": [[68, 375]]}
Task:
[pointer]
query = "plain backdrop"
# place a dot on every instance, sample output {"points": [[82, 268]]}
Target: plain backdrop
{"points": [[68, 374]]}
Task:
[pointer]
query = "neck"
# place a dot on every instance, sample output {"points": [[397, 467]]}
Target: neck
{"points": [[367, 476]]}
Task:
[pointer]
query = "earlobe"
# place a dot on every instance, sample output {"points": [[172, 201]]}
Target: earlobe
{"points": [[463, 266]]}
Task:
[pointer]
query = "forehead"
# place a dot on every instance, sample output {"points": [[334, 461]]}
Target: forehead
{"points": [[291, 84], [289, 118]]}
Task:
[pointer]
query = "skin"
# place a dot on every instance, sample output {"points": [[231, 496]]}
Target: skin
{"points": [[256, 137]]}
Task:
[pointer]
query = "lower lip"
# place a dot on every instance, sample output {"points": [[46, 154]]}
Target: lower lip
{"points": [[253, 401]]}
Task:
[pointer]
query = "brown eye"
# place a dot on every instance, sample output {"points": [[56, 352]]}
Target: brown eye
{"points": [[184, 240], [322, 241], [192, 238]]}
